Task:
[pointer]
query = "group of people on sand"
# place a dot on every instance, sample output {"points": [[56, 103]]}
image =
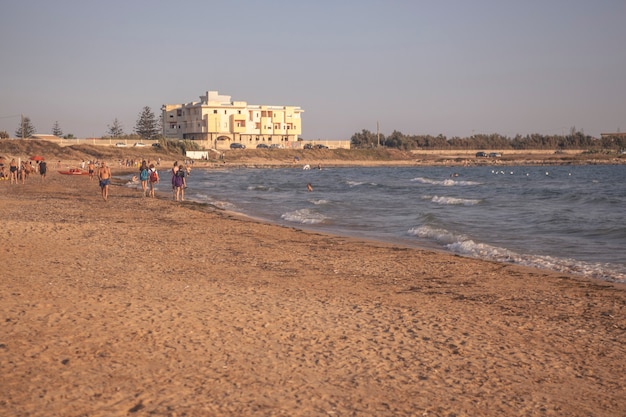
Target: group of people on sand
{"points": [[19, 172], [179, 181], [149, 177]]}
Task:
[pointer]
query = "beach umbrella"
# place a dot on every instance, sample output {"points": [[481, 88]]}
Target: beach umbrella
{"points": [[36, 158]]}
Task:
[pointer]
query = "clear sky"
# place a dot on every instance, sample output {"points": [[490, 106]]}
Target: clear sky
{"points": [[451, 67]]}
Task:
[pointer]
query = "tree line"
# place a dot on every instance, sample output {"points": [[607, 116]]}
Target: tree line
{"points": [[147, 127], [574, 140]]}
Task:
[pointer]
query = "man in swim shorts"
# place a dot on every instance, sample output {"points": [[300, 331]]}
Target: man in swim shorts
{"points": [[104, 175]]}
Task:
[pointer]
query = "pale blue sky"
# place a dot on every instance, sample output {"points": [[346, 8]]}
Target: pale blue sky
{"points": [[420, 67]]}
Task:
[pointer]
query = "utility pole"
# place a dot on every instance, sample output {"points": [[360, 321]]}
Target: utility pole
{"points": [[22, 126], [378, 133]]}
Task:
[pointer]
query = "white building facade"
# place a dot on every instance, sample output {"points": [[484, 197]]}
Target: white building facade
{"points": [[217, 122]]}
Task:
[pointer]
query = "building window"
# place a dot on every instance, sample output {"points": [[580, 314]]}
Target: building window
{"points": [[214, 111]]}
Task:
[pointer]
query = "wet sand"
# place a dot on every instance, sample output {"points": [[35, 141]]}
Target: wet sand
{"points": [[149, 307]]}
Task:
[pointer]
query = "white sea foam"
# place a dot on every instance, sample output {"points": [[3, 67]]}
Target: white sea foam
{"points": [[224, 205], [565, 265], [483, 251], [454, 201], [303, 216], [319, 202], [462, 245], [432, 233], [259, 188], [204, 198], [446, 182]]}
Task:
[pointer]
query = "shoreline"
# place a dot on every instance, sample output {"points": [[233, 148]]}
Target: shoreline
{"points": [[586, 269], [149, 307]]}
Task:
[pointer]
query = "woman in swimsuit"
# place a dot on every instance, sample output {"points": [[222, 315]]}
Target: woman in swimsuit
{"points": [[13, 171]]}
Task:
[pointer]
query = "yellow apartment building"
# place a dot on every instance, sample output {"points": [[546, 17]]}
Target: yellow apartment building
{"points": [[218, 122]]}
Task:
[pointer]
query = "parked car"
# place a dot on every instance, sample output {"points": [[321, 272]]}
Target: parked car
{"points": [[237, 145], [262, 146], [321, 147], [156, 145], [308, 146], [495, 155], [276, 146], [139, 144], [481, 154], [120, 144]]}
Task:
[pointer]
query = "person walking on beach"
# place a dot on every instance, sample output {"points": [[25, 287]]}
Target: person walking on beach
{"points": [[144, 175], [91, 169], [42, 170], [104, 175], [174, 171], [21, 174], [180, 183], [154, 179], [13, 171]]}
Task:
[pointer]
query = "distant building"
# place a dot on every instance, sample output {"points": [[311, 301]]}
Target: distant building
{"points": [[217, 121], [613, 135]]}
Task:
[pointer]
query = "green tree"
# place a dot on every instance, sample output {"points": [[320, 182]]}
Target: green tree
{"points": [[115, 130], [26, 128], [365, 139], [147, 125], [56, 130], [4, 134], [397, 140]]}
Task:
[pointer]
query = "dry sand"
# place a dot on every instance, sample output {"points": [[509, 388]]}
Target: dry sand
{"points": [[148, 307]]}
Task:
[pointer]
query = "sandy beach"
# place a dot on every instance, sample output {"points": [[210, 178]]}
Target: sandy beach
{"points": [[147, 307]]}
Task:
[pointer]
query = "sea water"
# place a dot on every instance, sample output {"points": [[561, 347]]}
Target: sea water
{"points": [[562, 218]]}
